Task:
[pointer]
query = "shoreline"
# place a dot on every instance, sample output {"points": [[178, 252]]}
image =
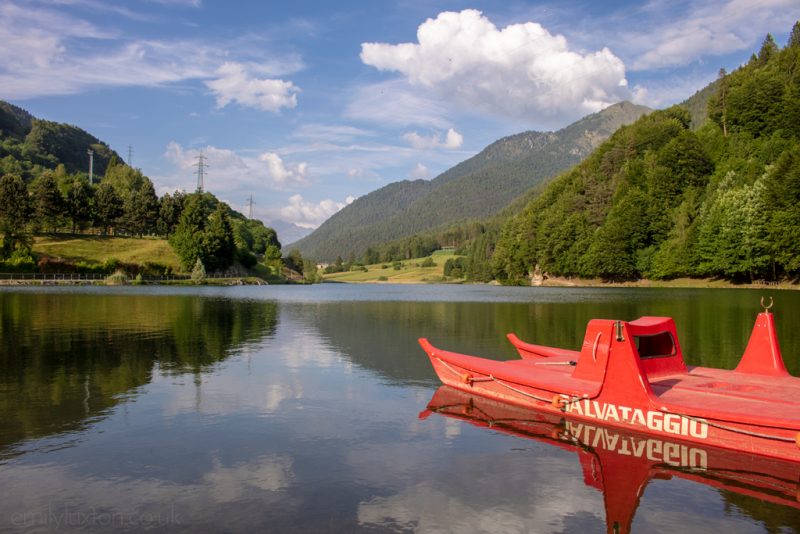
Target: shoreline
{"points": [[233, 281], [678, 283], [695, 283]]}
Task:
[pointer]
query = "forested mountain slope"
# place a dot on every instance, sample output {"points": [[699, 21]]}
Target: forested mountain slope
{"points": [[475, 188], [28, 145], [659, 200]]}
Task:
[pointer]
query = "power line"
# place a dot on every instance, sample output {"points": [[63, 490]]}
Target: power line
{"points": [[201, 171]]}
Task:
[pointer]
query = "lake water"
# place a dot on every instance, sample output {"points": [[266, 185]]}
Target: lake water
{"points": [[288, 409]]}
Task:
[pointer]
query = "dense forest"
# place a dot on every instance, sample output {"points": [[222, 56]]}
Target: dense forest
{"points": [[476, 188], [659, 200], [42, 192]]}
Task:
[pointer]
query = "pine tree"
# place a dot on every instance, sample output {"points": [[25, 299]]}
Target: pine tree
{"points": [[768, 50], [169, 213], [15, 214], [140, 209], [721, 102], [48, 204], [199, 272], [794, 37], [80, 204], [108, 206], [188, 237]]}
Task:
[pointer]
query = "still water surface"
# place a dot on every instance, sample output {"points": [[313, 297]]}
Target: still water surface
{"points": [[297, 409]]}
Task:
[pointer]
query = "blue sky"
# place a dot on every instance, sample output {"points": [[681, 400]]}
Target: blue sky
{"points": [[307, 105]]}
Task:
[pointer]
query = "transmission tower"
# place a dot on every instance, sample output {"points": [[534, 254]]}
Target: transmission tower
{"points": [[250, 207], [130, 156], [201, 171]]}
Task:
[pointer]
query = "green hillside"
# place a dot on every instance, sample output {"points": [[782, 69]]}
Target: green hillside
{"points": [[99, 250], [91, 226], [29, 145], [476, 188], [660, 200], [419, 270]]}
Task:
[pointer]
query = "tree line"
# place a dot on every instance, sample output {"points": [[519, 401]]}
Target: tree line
{"points": [[124, 203]]}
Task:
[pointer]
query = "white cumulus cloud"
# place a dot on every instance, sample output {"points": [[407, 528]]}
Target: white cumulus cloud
{"points": [[309, 214], [519, 71], [452, 140], [234, 84], [419, 171], [228, 171], [284, 175]]}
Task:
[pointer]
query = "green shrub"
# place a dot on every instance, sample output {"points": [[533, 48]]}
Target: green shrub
{"points": [[19, 262], [111, 265], [150, 268], [246, 258], [118, 278], [199, 272]]}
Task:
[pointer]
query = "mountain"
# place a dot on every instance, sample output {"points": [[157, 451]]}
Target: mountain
{"points": [[28, 143], [288, 232], [475, 188], [697, 104], [708, 188]]}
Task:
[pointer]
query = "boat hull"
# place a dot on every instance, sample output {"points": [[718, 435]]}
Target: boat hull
{"points": [[554, 391]]}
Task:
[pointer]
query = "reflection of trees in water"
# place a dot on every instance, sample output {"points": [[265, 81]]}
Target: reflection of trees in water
{"points": [[774, 517], [382, 336], [67, 357], [713, 326]]}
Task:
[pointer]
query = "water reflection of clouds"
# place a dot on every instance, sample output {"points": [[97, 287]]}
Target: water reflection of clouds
{"points": [[56, 497], [260, 380], [497, 493], [229, 484], [221, 395]]}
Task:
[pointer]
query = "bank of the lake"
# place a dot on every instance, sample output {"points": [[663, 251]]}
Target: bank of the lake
{"points": [[423, 277]]}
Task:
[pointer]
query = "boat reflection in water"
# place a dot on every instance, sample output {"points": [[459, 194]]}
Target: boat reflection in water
{"points": [[621, 464]]}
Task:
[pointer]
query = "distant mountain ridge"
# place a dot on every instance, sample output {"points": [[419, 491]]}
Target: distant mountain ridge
{"points": [[288, 232], [475, 188]]}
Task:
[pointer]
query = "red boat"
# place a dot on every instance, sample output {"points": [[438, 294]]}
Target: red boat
{"points": [[621, 464], [632, 375]]}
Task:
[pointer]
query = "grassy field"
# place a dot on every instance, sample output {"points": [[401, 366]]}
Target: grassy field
{"points": [[410, 272], [98, 249]]}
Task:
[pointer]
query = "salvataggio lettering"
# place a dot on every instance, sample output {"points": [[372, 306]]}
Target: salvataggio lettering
{"points": [[653, 420], [655, 450]]}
